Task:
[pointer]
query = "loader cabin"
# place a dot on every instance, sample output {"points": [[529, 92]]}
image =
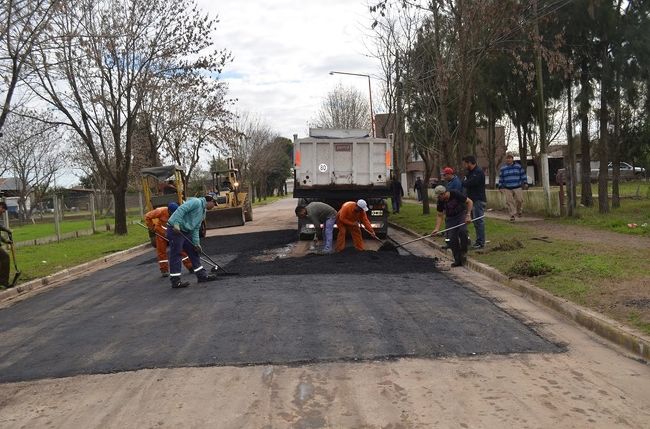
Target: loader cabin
{"points": [[162, 185]]}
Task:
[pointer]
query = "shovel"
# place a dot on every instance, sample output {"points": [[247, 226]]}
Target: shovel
{"points": [[210, 261], [391, 246], [215, 267], [17, 271]]}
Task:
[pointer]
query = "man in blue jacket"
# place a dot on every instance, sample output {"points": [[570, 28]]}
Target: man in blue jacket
{"points": [[474, 185], [183, 234], [512, 178]]}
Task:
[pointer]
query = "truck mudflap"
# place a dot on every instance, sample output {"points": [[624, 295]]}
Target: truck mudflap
{"points": [[226, 217]]}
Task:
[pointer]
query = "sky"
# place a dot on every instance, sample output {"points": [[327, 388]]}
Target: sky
{"points": [[284, 50]]}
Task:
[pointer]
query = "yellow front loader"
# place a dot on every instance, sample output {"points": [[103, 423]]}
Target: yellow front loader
{"points": [[233, 200]]}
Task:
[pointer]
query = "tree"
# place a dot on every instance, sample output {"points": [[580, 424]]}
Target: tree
{"points": [[23, 26], [346, 108], [31, 149], [196, 118], [105, 57]]}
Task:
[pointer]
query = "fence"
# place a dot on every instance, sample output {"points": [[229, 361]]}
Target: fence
{"points": [[69, 215], [533, 200]]}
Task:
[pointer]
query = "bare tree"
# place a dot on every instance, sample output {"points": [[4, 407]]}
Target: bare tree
{"points": [[196, 118], [106, 57], [23, 24], [31, 149], [344, 107]]}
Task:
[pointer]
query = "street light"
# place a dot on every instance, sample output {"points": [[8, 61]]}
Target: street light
{"points": [[372, 116]]}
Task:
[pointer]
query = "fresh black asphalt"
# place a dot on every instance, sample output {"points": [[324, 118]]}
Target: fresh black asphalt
{"points": [[355, 306]]}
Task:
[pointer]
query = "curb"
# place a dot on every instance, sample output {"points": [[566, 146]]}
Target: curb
{"points": [[605, 327], [44, 282]]}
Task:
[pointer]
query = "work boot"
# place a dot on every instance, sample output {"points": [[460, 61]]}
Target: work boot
{"points": [[202, 277], [164, 274], [177, 283]]}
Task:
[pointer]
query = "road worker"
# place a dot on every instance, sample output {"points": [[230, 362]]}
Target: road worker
{"points": [[348, 219], [4, 256], [183, 235], [320, 214], [455, 208], [156, 220]]}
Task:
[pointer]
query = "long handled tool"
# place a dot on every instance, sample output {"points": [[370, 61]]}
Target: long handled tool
{"points": [[215, 266], [391, 246], [219, 267], [17, 271]]}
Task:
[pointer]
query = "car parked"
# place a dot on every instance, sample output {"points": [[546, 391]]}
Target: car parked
{"points": [[627, 172]]}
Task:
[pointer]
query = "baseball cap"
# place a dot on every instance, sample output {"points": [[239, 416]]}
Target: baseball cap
{"points": [[363, 204], [209, 197], [447, 170], [439, 190], [172, 207]]}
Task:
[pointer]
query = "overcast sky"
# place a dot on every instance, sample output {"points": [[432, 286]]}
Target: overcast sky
{"points": [[284, 50]]}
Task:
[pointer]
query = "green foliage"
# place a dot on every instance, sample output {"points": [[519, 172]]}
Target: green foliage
{"points": [[530, 267]]}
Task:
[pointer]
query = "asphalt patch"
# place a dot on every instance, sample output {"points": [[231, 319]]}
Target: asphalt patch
{"points": [[248, 243], [349, 261], [351, 306]]}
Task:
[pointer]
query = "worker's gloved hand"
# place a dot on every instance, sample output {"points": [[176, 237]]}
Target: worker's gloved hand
{"points": [[151, 230], [177, 228], [197, 248], [434, 232]]}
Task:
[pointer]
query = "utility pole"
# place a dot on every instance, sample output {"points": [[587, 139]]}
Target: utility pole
{"points": [[542, 114]]}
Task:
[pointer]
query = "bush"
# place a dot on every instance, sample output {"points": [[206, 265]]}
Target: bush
{"points": [[530, 268]]}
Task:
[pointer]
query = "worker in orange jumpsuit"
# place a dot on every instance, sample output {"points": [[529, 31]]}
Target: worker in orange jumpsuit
{"points": [[156, 221], [348, 219]]}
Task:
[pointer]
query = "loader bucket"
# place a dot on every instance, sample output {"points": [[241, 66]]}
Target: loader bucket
{"points": [[223, 218]]}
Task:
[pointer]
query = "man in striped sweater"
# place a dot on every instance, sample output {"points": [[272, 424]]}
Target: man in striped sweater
{"points": [[512, 179]]}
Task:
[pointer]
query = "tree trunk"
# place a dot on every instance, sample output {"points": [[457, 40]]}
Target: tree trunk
{"points": [[585, 160], [570, 166], [492, 146], [603, 149], [119, 195], [616, 144]]}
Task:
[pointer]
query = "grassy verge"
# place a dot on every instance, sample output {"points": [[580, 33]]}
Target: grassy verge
{"points": [[614, 281], [46, 229], [269, 200], [632, 211], [40, 261]]}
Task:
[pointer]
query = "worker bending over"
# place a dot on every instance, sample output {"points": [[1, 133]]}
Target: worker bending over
{"points": [[156, 220], [320, 213], [455, 208], [348, 219], [183, 235]]}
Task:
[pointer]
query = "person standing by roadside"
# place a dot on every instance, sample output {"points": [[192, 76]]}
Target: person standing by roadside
{"points": [[348, 219], [397, 193], [512, 178], [156, 220], [418, 188], [183, 235], [452, 182], [474, 185], [455, 208], [320, 214], [4, 256]]}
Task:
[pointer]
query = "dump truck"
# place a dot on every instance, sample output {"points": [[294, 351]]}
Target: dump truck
{"points": [[233, 203], [335, 165]]}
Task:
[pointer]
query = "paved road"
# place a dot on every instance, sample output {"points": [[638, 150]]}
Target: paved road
{"points": [[371, 339]]}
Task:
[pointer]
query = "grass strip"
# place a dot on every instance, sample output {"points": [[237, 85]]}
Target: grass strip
{"points": [[613, 281], [45, 259]]}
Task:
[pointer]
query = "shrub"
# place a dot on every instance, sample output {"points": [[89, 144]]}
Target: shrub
{"points": [[530, 267]]}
